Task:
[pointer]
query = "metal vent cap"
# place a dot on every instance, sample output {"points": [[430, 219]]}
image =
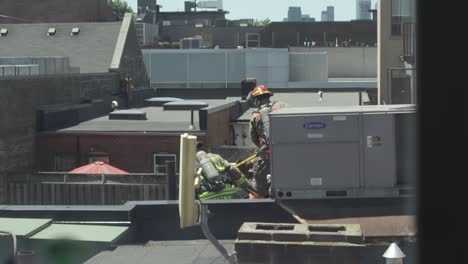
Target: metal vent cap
{"points": [[394, 252]]}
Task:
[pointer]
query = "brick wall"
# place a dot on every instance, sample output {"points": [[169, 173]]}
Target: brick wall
{"points": [[218, 128], [57, 89], [57, 10], [19, 98], [133, 153], [133, 67]]}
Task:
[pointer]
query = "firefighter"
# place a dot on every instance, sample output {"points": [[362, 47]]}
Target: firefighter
{"points": [[216, 178], [259, 134]]}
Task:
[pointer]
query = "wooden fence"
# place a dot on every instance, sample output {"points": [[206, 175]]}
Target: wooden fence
{"points": [[68, 189], [37, 193]]}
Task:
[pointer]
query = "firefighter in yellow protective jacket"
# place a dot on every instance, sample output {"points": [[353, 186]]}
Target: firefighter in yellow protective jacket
{"points": [[216, 178]]}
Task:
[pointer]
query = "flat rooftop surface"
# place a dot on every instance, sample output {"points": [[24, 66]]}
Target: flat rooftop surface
{"points": [[23, 226], [180, 252], [345, 109], [384, 217], [312, 99], [158, 120], [98, 233]]}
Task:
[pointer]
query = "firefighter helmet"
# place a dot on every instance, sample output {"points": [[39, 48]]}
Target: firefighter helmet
{"points": [[260, 90]]}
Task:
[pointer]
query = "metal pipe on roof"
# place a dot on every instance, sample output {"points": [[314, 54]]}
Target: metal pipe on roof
{"points": [[14, 240]]}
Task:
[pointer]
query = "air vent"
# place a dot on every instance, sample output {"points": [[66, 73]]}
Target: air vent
{"points": [[51, 32], [75, 31], [127, 115], [3, 32]]}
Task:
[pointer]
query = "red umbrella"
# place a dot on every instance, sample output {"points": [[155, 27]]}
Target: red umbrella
{"points": [[98, 167]]}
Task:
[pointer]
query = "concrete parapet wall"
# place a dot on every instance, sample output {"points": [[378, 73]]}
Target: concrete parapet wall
{"points": [[299, 243]]}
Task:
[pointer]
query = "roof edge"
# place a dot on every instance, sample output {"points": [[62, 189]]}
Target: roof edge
{"points": [[120, 46]]}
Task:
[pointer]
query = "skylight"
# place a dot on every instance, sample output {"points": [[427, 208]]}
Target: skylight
{"points": [[51, 32], [75, 31]]}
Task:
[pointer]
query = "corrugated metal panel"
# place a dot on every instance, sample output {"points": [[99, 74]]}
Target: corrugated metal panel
{"points": [[194, 68], [308, 66], [347, 62], [220, 68], [269, 66]]}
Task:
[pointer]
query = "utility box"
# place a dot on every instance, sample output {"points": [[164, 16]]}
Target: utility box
{"points": [[319, 152]]}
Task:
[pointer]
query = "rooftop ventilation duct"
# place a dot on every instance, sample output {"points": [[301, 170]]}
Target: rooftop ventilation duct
{"points": [[51, 32], [75, 31], [3, 32]]}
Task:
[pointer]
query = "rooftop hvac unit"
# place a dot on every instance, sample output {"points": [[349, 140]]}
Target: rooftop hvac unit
{"points": [[190, 43], [346, 152]]}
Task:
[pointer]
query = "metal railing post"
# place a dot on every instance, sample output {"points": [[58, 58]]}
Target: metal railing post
{"points": [[171, 193]]}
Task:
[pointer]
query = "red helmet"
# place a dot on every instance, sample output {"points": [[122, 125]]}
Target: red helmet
{"points": [[259, 90]]}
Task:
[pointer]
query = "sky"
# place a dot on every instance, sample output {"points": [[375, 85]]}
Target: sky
{"points": [[275, 10]]}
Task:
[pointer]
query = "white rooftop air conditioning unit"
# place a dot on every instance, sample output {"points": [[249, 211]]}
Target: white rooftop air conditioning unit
{"points": [[347, 152]]}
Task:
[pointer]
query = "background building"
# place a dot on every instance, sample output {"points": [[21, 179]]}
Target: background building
{"points": [[294, 13], [356, 33], [330, 13], [26, 11], [324, 17], [396, 51], [307, 18], [82, 67], [148, 11], [362, 9]]}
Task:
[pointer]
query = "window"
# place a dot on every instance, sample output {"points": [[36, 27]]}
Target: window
{"points": [[64, 161], [402, 11], [160, 163]]}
